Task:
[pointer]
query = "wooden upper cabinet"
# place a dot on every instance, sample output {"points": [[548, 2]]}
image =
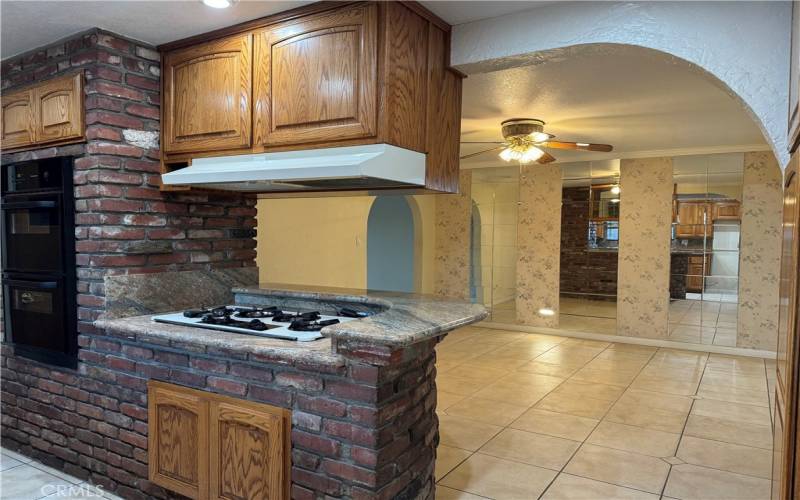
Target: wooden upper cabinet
{"points": [[248, 456], [59, 109], [46, 113], [17, 122], [316, 78], [726, 210], [207, 96], [178, 439], [691, 219], [327, 74]]}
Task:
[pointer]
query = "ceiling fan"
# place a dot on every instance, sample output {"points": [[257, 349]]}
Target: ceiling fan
{"points": [[524, 138]]}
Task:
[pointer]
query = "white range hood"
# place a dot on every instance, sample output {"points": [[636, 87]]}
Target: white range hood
{"points": [[372, 166]]}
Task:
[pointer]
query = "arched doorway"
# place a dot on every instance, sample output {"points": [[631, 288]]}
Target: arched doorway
{"points": [[391, 245]]}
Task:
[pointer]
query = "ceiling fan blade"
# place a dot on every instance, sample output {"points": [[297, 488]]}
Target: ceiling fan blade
{"points": [[482, 142], [546, 158], [481, 152], [583, 146]]}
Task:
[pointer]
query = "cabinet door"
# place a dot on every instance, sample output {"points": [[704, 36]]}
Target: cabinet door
{"points": [[690, 220], [59, 109], [316, 78], [207, 96], [726, 211], [178, 439], [247, 452], [786, 383], [17, 120]]}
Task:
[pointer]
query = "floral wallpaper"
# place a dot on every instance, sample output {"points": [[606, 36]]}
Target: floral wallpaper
{"points": [[453, 215], [644, 247], [538, 244], [760, 251]]}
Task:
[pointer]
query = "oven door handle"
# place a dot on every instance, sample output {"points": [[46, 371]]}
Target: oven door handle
{"points": [[28, 204], [38, 285]]}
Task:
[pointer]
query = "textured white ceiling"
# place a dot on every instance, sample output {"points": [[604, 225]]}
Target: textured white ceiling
{"points": [[635, 99], [26, 25]]}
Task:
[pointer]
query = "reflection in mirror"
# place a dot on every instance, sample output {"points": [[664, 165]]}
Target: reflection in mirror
{"points": [[495, 192], [704, 261], [589, 242]]}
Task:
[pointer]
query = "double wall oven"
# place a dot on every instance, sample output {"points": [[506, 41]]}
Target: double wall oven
{"points": [[38, 260]]}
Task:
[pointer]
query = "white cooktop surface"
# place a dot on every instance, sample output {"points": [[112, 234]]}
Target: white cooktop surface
{"points": [[281, 330]]}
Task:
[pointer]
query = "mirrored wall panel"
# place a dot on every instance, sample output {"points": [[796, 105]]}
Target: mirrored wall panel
{"points": [[591, 200], [704, 260], [493, 280]]}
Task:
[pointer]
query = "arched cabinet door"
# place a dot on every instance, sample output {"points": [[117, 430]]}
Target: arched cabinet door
{"points": [[316, 78], [59, 109], [247, 451], [207, 96], [178, 439], [17, 121]]}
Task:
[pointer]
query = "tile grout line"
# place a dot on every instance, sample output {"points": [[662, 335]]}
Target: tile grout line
{"points": [[599, 421], [685, 423]]}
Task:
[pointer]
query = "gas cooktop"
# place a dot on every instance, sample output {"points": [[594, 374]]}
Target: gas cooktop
{"points": [[261, 321]]}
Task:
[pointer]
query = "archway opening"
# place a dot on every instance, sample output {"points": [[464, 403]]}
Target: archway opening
{"points": [[391, 245]]}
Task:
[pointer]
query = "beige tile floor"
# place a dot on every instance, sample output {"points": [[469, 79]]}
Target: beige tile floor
{"points": [[24, 479], [526, 416]]}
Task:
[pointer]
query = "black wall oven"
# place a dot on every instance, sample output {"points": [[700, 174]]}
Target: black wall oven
{"points": [[38, 260]]}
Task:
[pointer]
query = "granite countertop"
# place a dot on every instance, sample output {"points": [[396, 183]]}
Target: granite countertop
{"points": [[402, 319], [398, 320], [144, 329]]}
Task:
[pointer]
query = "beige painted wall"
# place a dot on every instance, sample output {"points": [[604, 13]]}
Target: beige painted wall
{"points": [[644, 254], [760, 252], [323, 241]]}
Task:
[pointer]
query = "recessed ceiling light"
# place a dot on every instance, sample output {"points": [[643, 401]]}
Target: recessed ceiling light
{"points": [[219, 4]]}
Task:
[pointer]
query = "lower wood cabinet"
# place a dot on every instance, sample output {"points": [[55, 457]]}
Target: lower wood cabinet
{"points": [[207, 446]]}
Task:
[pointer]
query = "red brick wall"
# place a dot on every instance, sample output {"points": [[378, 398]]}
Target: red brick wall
{"points": [[366, 430], [583, 272], [124, 223]]}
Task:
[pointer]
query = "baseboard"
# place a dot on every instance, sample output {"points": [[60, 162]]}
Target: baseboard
{"points": [[716, 349]]}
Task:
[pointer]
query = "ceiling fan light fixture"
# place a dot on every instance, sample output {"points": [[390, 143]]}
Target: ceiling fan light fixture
{"points": [[538, 137], [522, 154], [532, 154], [508, 154]]}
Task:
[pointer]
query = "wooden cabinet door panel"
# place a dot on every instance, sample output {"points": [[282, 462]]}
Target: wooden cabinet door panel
{"points": [[207, 96], [59, 109], [786, 392], [178, 440], [247, 452], [17, 120], [316, 79], [726, 211]]}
